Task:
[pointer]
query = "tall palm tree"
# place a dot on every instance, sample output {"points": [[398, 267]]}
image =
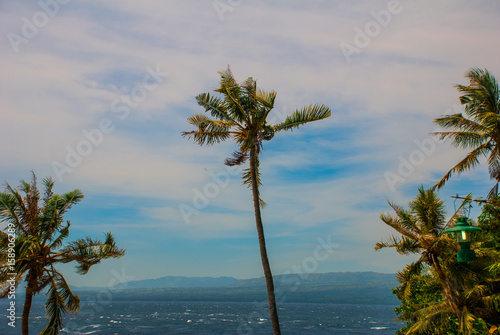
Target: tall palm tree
{"points": [[479, 129], [241, 115], [39, 231]]}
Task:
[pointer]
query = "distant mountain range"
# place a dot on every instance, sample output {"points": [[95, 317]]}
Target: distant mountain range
{"points": [[289, 279], [333, 287], [169, 282]]}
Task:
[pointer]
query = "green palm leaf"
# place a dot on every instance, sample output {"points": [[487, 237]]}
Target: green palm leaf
{"points": [[40, 232], [60, 300], [469, 162], [307, 114], [10, 210], [479, 130], [88, 252], [232, 92]]}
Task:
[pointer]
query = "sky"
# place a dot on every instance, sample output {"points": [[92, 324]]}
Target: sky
{"points": [[96, 94]]}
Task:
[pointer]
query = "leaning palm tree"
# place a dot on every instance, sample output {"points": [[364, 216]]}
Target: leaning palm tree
{"points": [[39, 231], [241, 114], [479, 129], [420, 227]]}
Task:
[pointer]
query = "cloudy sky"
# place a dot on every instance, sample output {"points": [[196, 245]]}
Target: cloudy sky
{"points": [[96, 94]]}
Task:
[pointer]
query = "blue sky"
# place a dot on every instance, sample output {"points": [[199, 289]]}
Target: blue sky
{"points": [[127, 73]]}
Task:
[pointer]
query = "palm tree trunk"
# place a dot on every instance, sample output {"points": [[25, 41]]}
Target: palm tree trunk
{"points": [[27, 304], [273, 311], [448, 290]]}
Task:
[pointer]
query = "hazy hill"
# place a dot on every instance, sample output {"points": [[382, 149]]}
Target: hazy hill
{"points": [[167, 282], [335, 287], [178, 281], [290, 279], [330, 277]]}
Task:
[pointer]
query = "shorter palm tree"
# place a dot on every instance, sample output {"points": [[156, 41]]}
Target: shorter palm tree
{"points": [[478, 129], [467, 290], [420, 227], [39, 233]]}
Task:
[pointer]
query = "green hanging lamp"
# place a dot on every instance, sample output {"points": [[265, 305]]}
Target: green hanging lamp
{"points": [[463, 233]]}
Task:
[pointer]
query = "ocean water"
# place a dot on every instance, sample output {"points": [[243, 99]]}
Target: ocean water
{"points": [[139, 317]]}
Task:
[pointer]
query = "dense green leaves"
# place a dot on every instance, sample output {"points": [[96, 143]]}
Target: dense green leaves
{"points": [[478, 129], [40, 231], [241, 114], [439, 295]]}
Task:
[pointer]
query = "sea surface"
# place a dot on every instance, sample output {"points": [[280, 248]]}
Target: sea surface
{"points": [[157, 317]]}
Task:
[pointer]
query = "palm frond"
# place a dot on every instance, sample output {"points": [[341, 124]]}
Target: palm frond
{"points": [[247, 179], [10, 210], [406, 219], [60, 300], [264, 104], [480, 128], [395, 223], [482, 92], [43, 281], [62, 235], [466, 323], [49, 185], [55, 309], [409, 271], [232, 92], [307, 114], [429, 210], [69, 199], [469, 162], [209, 131], [88, 252], [20, 201], [52, 215], [458, 121], [430, 318], [463, 139], [494, 164], [248, 99], [215, 106], [266, 98], [403, 245], [238, 158], [206, 138]]}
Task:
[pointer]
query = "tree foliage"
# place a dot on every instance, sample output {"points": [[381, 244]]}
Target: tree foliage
{"points": [[478, 128], [438, 294], [36, 225]]}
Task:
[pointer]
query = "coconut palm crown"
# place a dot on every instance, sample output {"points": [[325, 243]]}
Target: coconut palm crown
{"points": [[479, 129], [241, 115], [36, 227]]}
